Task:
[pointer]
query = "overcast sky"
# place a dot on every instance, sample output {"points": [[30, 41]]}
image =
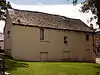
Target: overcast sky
{"points": [[59, 7], [46, 2]]}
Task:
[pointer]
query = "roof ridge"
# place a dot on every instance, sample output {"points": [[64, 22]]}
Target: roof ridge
{"points": [[47, 20], [43, 13]]}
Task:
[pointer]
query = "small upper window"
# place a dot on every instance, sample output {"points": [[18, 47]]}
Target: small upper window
{"points": [[8, 34], [87, 37], [65, 39], [41, 34]]}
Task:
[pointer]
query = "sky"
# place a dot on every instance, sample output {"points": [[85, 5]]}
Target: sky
{"points": [[58, 7], [46, 2]]}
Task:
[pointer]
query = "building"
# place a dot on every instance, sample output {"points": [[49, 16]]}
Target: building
{"points": [[37, 36], [1, 41], [97, 43]]}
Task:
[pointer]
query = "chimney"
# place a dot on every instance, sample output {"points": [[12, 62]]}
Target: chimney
{"points": [[91, 26]]}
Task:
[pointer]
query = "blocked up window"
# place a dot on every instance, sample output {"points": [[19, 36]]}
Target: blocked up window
{"points": [[65, 39], [87, 37], [41, 34], [8, 34]]}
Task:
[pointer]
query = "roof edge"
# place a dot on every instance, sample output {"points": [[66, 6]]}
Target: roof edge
{"points": [[51, 28]]}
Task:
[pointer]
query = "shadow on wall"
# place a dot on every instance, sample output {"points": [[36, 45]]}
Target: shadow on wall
{"points": [[13, 65]]}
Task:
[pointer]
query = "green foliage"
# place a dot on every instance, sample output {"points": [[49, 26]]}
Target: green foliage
{"points": [[94, 6], [3, 7], [89, 5], [75, 2]]}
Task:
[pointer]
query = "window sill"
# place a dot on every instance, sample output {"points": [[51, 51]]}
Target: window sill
{"points": [[44, 41]]}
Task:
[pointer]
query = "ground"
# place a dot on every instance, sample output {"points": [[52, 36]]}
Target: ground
{"points": [[51, 68]]}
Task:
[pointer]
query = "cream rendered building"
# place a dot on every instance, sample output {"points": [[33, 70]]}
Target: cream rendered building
{"points": [[37, 36]]}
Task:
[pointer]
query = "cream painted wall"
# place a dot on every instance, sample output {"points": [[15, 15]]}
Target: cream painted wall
{"points": [[8, 41], [27, 44]]}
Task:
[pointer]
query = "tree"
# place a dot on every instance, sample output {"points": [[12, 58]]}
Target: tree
{"points": [[3, 7], [94, 6]]}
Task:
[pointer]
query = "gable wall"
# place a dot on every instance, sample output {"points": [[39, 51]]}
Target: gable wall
{"points": [[8, 40]]}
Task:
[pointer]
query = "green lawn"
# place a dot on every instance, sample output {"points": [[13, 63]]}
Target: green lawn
{"points": [[51, 68]]}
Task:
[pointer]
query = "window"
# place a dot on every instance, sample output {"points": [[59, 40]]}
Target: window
{"points": [[65, 39], [8, 34], [1, 40], [8, 52], [98, 49], [87, 37], [41, 34]]}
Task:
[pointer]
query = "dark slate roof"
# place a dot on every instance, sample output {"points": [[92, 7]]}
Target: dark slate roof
{"points": [[41, 19]]}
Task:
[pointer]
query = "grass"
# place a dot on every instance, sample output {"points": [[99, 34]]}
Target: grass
{"points": [[51, 68]]}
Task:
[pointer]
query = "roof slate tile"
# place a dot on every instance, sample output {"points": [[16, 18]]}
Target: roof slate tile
{"points": [[46, 20]]}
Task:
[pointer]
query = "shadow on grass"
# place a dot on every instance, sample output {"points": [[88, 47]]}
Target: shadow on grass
{"points": [[98, 71], [13, 65], [97, 67]]}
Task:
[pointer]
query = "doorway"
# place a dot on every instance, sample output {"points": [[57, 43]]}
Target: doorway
{"points": [[65, 55], [43, 56]]}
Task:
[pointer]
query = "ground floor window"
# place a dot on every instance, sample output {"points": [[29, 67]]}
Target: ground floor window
{"points": [[65, 55]]}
